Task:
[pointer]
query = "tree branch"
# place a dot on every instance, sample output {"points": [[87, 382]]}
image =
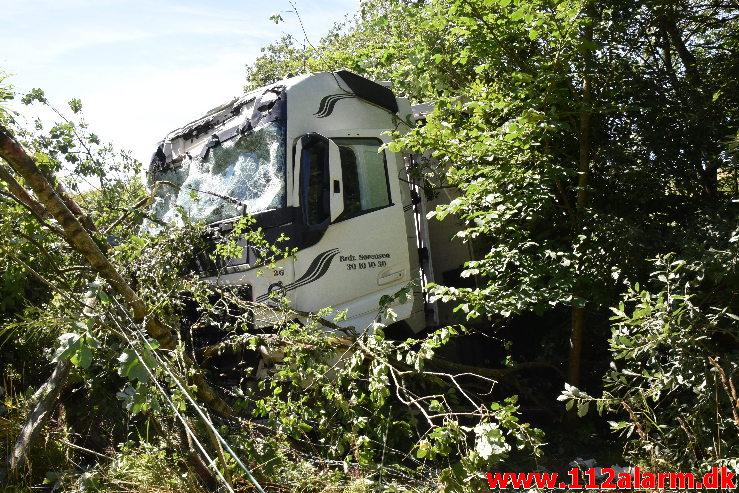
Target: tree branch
{"points": [[79, 239], [77, 236]]}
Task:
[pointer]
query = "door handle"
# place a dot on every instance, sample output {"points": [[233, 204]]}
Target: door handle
{"points": [[388, 278]]}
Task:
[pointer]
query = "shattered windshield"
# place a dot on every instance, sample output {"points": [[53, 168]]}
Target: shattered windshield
{"points": [[246, 173]]}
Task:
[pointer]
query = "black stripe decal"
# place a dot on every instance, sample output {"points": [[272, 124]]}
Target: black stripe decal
{"points": [[326, 106], [316, 270], [325, 264]]}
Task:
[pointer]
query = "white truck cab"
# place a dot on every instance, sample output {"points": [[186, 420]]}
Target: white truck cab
{"points": [[304, 158]]}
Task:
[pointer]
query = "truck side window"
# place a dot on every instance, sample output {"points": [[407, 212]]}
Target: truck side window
{"points": [[315, 181], [364, 173]]}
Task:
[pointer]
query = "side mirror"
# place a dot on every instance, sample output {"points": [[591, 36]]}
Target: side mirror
{"points": [[320, 183]]}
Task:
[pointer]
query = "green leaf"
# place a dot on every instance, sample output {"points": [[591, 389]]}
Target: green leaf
{"points": [[490, 441], [85, 357], [423, 449], [131, 367], [519, 13], [69, 344]]}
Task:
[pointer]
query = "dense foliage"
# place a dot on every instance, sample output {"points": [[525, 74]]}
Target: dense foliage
{"points": [[674, 360], [594, 145]]}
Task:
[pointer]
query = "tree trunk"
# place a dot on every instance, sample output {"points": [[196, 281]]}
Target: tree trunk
{"points": [[577, 333], [577, 329], [700, 103], [578, 313], [45, 398], [21, 195]]}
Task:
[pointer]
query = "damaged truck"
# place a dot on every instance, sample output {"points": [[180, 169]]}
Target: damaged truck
{"points": [[305, 158]]}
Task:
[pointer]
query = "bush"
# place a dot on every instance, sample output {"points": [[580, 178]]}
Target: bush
{"points": [[673, 378]]}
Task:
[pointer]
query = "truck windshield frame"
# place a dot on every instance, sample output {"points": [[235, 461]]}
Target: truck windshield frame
{"points": [[246, 174]]}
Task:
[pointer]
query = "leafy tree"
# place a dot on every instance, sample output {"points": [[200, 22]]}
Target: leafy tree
{"points": [[376, 42], [565, 168]]}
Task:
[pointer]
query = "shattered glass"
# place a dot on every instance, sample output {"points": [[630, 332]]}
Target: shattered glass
{"points": [[245, 174]]}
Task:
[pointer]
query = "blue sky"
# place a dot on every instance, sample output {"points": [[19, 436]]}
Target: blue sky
{"points": [[143, 68]]}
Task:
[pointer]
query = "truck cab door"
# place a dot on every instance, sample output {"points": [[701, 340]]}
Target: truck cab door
{"points": [[347, 199]]}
